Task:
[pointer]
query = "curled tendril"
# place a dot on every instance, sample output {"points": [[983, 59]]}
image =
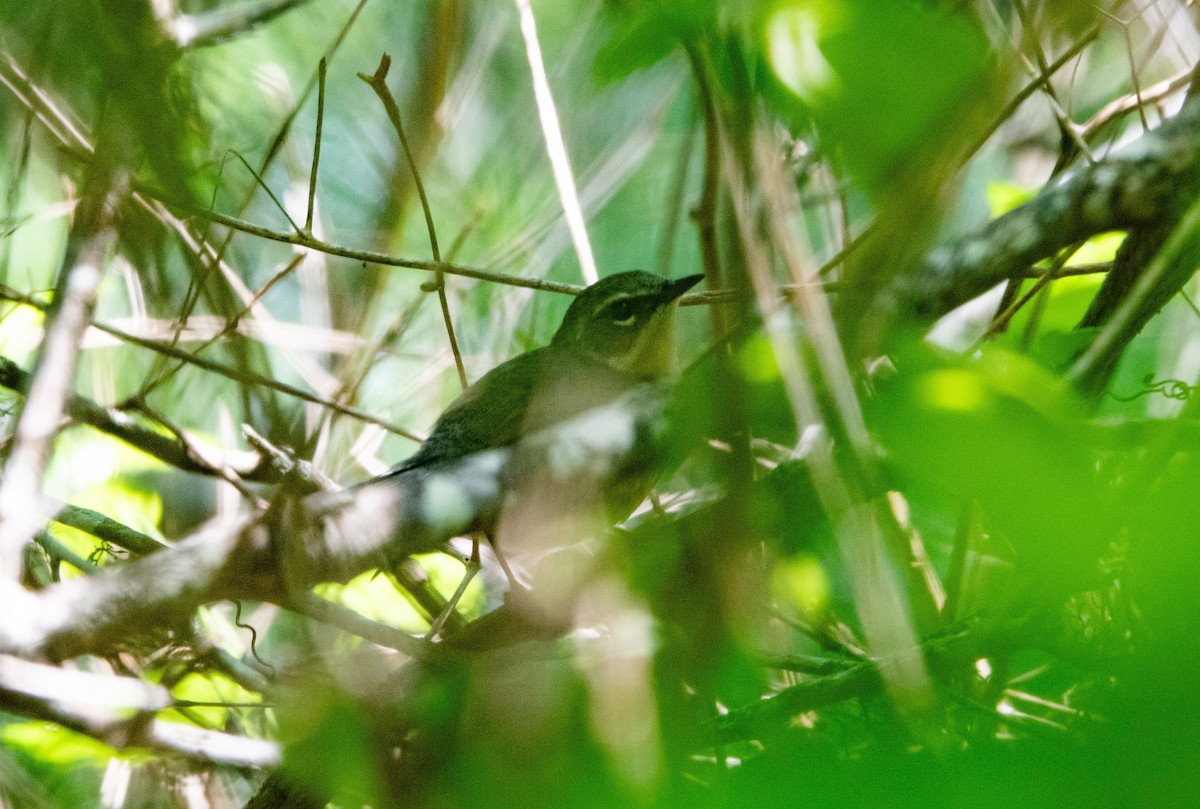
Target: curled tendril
{"points": [[1171, 388], [237, 621]]}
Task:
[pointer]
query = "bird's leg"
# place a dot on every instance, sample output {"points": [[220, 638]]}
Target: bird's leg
{"points": [[514, 586], [471, 567]]}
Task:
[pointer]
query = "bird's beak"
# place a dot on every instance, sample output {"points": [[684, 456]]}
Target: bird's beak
{"points": [[674, 289]]}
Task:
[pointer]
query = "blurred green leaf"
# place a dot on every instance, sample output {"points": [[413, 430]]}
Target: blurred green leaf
{"points": [[803, 585], [336, 754], [1003, 431], [55, 744], [645, 31], [883, 78]]}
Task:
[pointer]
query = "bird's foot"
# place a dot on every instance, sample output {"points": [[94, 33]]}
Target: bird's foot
{"points": [[471, 567]]}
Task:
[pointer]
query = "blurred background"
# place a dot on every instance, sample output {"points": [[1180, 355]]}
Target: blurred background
{"points": [[902, 551]]}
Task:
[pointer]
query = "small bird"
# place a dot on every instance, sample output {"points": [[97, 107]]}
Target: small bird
{"points": [[616, 334]]}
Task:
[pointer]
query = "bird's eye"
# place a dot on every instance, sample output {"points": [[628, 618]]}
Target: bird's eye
{"points": [[622, 312]]}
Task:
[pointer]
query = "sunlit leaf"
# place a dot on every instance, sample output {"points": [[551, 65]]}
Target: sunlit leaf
{"points": [[55, 744], [803, 585]]}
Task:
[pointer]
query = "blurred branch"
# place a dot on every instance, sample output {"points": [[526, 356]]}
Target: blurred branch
{"points": [[48, 387], [556, 149], [704, 214], [119, 711], [226, 21], [330, 536], [847, 490], [1163, 259]]}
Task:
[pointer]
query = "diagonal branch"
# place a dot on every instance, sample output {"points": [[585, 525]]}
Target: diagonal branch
{"points": [[1150, 180], [333, 536], [119, 712], [181, 451], [68, 316]]}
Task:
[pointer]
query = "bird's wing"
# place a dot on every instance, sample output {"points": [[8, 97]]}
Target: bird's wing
{"points": [[488, 414], [528, 393]]}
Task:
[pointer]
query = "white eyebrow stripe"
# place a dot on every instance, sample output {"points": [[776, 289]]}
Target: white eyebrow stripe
{"points": [[627, 296]]}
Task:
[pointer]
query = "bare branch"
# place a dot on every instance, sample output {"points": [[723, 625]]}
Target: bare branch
{"points": [[182, 451], [119, 712], [1148, 181], [333, 536], [90, 240]]}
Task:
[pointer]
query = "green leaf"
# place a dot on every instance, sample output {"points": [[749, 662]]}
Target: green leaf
{"points": [[645, 35], [54, 744], [884, 79], [1001, 431]]}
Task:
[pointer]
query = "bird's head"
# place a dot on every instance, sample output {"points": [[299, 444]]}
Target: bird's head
{"points": [[625, 321]]}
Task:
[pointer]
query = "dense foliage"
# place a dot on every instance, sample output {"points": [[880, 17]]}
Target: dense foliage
{"points": [[925, 526]]}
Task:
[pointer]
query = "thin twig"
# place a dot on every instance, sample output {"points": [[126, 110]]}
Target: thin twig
{"points": [[181, 451], [1127, 103], [370, 256], [1133, 72], [378, 83], [1042, 71], [76, 145], [322, 66], [212, 256], [231, 373], [1051, 274], [1029, 89], [263, 184]]}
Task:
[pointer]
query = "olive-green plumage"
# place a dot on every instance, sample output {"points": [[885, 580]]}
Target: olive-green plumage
{"points": [[616, 333]]}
